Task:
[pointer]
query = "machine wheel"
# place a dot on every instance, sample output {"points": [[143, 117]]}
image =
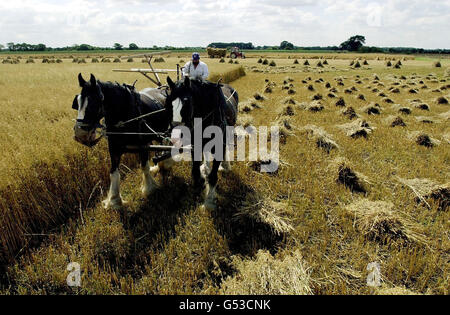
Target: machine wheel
{"points": [[233, 56]]}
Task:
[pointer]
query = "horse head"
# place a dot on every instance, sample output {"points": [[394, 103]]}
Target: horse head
{"points": [[89, 104], [180, 100]]}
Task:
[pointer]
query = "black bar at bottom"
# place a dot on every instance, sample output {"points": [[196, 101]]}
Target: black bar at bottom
{"points": [[214, 304]]}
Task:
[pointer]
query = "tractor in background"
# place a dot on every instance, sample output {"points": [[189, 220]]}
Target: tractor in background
{"points": [[236, 53]]}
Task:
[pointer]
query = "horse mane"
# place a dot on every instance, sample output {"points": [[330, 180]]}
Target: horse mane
{"points": [[120, 94], [207, 89], [122, 88], [211, 98], [204, 84]]}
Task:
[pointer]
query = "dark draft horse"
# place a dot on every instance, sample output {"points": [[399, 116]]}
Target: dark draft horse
{"points": [[116, 104], [213, 104]]}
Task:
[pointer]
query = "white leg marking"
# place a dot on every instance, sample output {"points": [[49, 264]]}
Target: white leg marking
{"points": [[148, 183], [205, 168], [114, 199], [225, 166], [154, 170]]}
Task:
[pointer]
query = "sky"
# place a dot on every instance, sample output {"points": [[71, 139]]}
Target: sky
{"points": [[180, 23]]}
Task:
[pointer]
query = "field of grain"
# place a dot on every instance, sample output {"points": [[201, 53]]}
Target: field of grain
{"points": [[363, 178]]}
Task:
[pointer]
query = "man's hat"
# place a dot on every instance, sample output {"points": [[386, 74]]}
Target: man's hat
{"points": [[195, 56]]}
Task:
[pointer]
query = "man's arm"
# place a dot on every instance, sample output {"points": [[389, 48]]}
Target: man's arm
{"points": [[205, 72], [186, 69]]}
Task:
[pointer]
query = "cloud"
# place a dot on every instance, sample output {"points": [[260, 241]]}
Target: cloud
{"points": [[193, 23]]}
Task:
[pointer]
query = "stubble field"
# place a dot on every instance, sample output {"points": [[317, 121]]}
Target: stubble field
{"points": [[354, 187]]}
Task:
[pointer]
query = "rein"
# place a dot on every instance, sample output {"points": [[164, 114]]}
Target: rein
{"points": [[121, 123]]}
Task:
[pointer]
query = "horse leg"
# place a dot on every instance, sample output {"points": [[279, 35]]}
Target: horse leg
{"points": [[199, 181], [210, 201], [148, 183], [165, 167], [114, 199], [225, 166], [154, 170], [205, 169]]}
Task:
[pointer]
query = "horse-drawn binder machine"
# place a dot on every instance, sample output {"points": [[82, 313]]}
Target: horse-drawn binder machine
{"points": [[145, 72]]}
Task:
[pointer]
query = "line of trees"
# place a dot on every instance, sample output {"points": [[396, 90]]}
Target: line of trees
{"points": [[25, 47], [87, 47], [82, 47], [354, 44]]}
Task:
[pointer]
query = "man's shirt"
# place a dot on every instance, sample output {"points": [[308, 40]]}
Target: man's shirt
{"points": [[201, 72]]}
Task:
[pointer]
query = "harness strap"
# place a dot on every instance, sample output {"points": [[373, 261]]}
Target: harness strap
{"points": [[234, 92], [222, 102]]}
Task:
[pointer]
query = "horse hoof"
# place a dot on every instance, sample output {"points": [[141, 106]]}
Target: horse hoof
{"points": [[154, 170], [210, 197], [210, 205], [114, 204], [224, 169]]}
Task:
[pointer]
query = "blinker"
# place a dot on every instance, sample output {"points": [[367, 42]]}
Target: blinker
{"points": [[75, 103]]}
